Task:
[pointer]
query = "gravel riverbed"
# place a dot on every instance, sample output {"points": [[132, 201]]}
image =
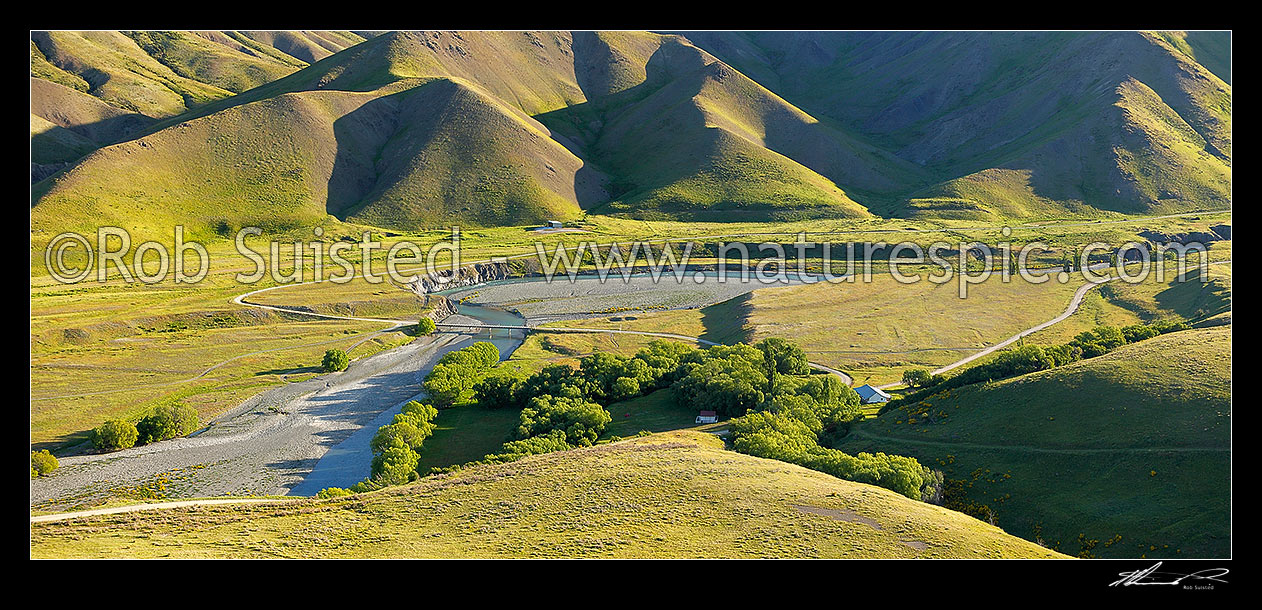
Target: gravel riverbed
{"points": [[267, 445]]}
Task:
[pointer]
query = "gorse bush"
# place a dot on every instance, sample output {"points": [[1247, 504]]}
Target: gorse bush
{"points": [[333, 492], [166, 422], [114, 435], [42, 463], [335, 360]]}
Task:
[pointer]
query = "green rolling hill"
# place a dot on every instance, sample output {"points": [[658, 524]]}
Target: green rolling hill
{"points": [[67, 124], [1017, 124], [702, 126], [677, 494], [1123, 455], [162, 74]]}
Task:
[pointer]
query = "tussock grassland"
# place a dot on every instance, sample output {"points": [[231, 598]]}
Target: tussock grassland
{"points": [[668, 495]]}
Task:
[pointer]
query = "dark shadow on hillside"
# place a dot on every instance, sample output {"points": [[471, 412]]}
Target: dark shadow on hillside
{"points": [[581, 127], [658, 124], [725, 322], [362, 137], [95, 135]]}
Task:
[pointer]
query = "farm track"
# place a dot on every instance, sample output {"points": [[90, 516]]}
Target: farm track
{"points": [[1074, 303], [858, 433], [148, 506]]}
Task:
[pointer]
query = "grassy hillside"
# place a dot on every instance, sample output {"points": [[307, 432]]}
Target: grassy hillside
{"points": [[1016, 124], [697, 139], [668, 495], [121, 74], [456, 155], [1210, 49], [161, 74], [72, 123], [1124, 455], [715, 126], [420, 154]]}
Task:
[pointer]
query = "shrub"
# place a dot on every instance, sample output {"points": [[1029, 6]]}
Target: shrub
{"points": [[396, 465], [42, 463], [166, 422], [581, 421], [914, 378], [535, 445], [425, 327], [499, 391], [335, 360], [114, 435], [783, 357], [333, 492]]}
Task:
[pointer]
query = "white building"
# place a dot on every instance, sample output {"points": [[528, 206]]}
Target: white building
{"points": [[869, 395]]}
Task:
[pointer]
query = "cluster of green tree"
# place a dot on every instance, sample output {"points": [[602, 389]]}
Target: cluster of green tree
{"points": [[1030, 358], [794, 415], [42, 463], [582, 421], [728, 379], [563, 407], [781, 436], [396, 449], [162, 423], [335, 360], [512, 451], [455, 374], [785, 411]]}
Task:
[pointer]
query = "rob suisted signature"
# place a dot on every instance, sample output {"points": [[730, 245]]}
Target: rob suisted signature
{"points": [[1151, 576]]}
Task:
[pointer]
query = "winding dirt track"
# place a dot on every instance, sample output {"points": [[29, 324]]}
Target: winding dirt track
{"points": [[152, 506], [858, 433]]}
